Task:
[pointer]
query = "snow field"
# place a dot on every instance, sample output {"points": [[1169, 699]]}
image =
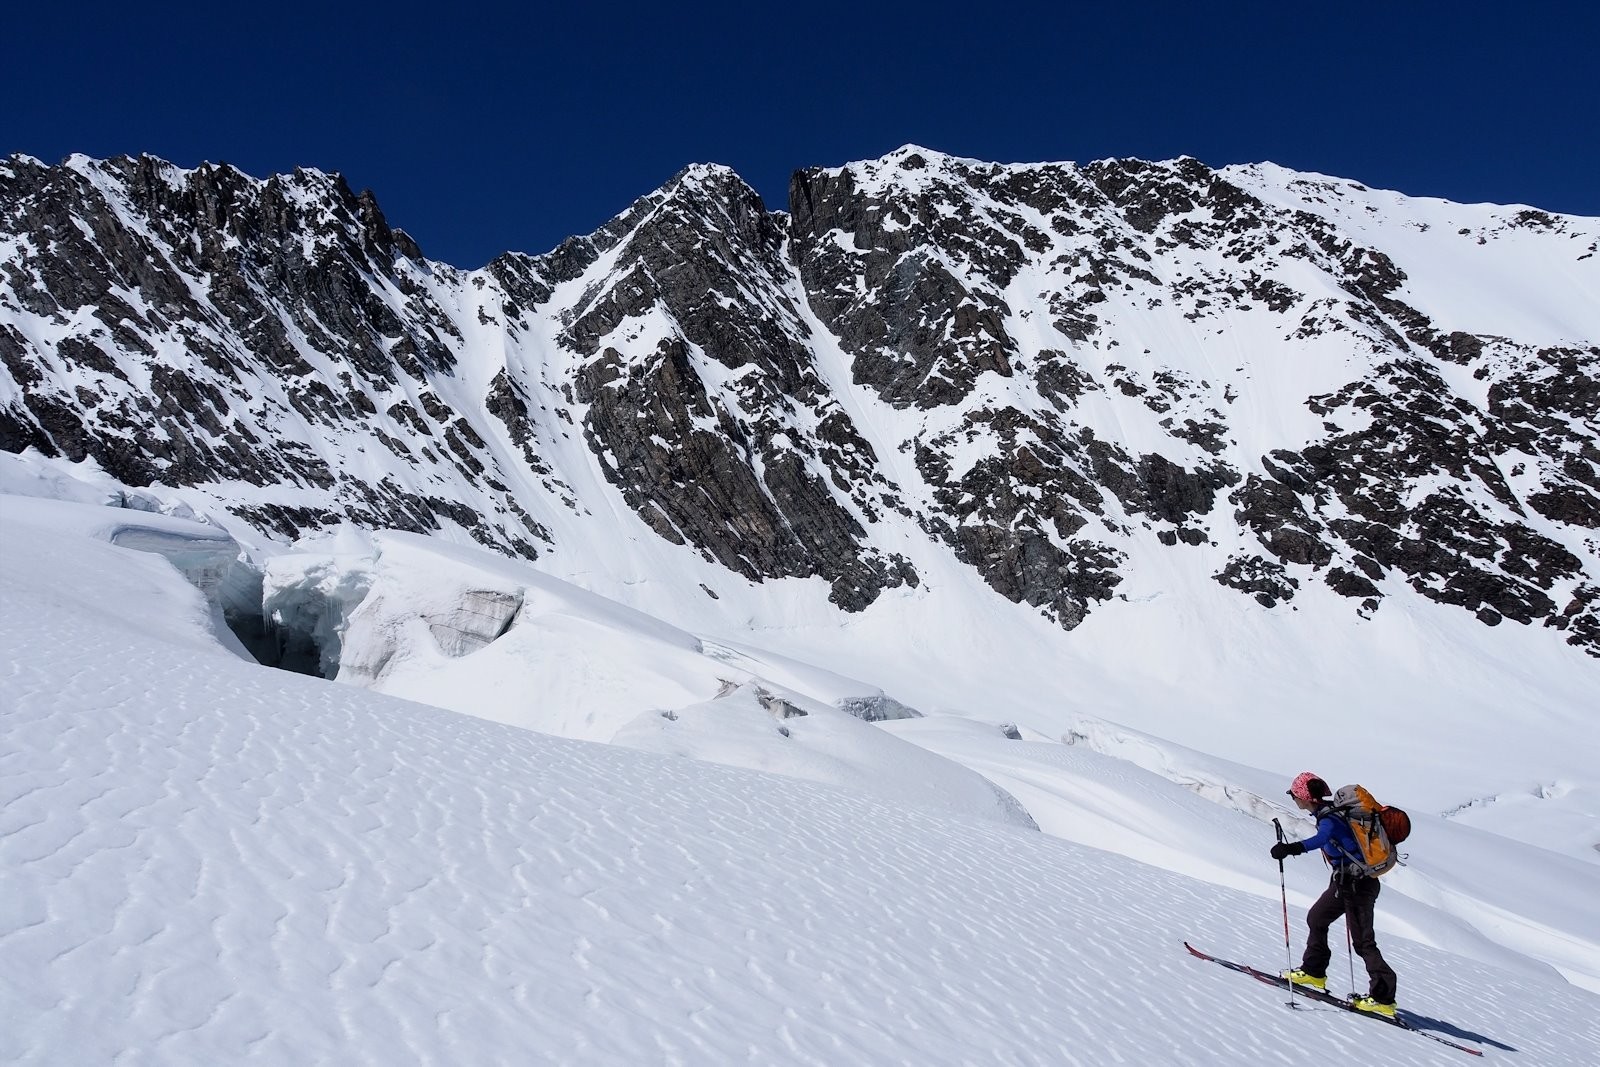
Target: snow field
{"points": [[207, 862]]}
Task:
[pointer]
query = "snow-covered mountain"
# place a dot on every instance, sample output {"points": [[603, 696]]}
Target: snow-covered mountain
{"points": [[1010, 533], [1062, 377]]}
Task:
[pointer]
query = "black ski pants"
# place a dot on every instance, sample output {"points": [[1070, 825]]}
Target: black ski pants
{"points": [[1354, 898]]}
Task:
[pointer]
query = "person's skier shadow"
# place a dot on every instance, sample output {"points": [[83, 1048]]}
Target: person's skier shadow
{"points": [[1422, 1022]]}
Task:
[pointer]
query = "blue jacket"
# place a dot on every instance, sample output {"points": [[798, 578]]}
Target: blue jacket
{"points": [[1333, 836]]}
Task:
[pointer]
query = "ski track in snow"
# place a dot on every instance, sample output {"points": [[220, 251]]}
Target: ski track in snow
{"points": [[209, 862]]}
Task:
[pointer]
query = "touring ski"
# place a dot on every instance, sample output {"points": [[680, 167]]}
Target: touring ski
{"points": [[1327, 998]]}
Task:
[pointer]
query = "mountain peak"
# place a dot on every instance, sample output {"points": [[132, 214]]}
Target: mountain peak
{"points": [[701, 173], [1056, 349], [714, 180]]}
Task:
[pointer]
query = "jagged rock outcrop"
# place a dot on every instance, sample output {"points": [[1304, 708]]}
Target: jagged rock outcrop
{"points": [[1043, 371], [203, 327], [717, 429]]}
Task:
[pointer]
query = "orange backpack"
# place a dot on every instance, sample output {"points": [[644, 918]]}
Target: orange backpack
{"points": [[1378, 829]]}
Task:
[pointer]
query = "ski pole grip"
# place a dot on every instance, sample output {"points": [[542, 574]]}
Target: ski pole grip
{"points": [[1277, 826]]}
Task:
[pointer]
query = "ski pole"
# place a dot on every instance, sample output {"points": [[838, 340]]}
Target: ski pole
{"points": [[1349, 951], [1283, 893]]}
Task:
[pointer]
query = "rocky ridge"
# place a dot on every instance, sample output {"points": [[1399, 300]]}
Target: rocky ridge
{"points": [[1046, 372]]}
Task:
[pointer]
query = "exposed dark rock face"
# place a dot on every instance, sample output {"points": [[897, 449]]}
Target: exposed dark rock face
{"points": [[747, 470], [1272, 511], [211, 322], [1033, 369], [917, 334], [1268, 581], [1465, 542]]}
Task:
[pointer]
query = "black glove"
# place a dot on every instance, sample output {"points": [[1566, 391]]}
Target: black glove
{"points": [[1287, 848]]}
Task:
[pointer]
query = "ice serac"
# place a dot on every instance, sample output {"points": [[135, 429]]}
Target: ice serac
{"points": [[447, 625], [1067, 378], [307, 601], [762, 726], [467, 630]]}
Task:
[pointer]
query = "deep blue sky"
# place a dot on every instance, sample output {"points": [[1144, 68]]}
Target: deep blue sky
{"points": [[485, 127]]}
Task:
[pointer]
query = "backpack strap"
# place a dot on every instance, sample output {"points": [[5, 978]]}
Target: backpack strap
{"points": [[1348, 862]]}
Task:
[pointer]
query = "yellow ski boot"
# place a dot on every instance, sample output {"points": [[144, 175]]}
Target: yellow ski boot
{"points": [[1306, 981], [1367, 1004]]}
